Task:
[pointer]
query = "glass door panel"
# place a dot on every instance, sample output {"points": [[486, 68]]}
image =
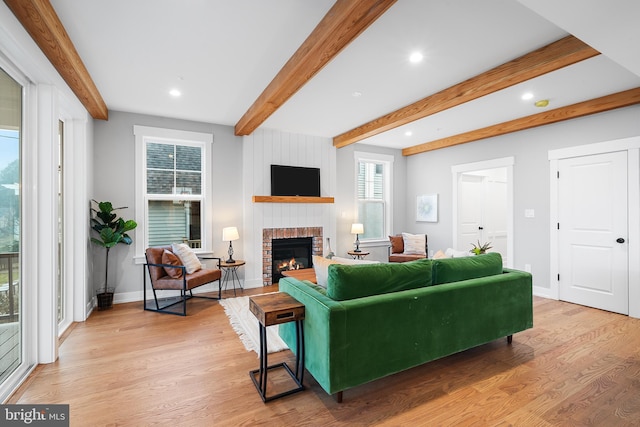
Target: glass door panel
{"points": [[10, 223]]}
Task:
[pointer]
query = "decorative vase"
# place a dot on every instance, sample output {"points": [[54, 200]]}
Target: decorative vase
{"points": [[329, 251]]}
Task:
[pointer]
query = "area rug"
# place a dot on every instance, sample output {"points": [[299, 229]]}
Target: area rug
{"points": [[246, 326]]}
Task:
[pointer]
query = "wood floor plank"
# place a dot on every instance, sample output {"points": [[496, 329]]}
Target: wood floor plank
{"points": [[127, 367]]}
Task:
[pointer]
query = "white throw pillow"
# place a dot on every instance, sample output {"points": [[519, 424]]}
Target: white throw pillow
{"points": [[414, 244], [452, 253], [187, 256], [321, 267], [351, 261]]}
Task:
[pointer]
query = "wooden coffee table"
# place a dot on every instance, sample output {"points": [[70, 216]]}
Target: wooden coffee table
{"points": [[302, 274]]}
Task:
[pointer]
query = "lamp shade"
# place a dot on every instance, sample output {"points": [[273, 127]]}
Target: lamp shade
{"points": [[229, 234], [357, 229]]}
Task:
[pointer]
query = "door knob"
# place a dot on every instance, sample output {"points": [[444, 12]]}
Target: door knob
{"points": [[620, 240], [480, 228]]}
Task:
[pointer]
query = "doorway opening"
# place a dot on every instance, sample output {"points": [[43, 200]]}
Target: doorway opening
{"points": [[483, 206]]}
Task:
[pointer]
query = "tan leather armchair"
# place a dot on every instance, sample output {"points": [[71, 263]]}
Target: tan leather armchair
{"points": [[181, 281], [396, 250]]}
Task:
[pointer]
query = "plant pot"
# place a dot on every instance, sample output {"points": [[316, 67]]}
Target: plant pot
{"points": [[105, 299]]}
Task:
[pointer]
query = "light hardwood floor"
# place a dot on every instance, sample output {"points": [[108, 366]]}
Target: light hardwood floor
{"points": [[126, 367]]}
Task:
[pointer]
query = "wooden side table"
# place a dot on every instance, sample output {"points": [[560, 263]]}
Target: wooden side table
{"points": [[274, 309], [358, 255], [230, 270]]}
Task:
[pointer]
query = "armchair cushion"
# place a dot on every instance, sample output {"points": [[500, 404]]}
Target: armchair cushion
{"points": [[397, 244], [414, 244], [170, 258], [187, 256]]}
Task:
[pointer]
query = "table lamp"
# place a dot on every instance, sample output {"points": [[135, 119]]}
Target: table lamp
{"points": [[357, 229], [230, 234]]}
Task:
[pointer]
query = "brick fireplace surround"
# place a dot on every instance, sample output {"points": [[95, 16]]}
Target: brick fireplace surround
{"points": [[269, 234]]}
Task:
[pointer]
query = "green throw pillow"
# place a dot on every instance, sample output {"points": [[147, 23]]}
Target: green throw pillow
{"points": [[356, 281], [447, 270]]}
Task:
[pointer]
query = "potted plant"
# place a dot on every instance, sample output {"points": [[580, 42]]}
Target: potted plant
{"points": [[111, 230], [480, 249]]}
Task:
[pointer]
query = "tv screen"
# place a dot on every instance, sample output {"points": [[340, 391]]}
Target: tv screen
{"points": [[295, 181]]}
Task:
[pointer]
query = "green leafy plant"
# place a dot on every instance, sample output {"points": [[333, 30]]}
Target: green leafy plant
{"points": [[111, 230], [480, 248]]}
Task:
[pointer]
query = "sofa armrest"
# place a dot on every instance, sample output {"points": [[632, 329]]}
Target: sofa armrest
{"points": [[324, 325]]}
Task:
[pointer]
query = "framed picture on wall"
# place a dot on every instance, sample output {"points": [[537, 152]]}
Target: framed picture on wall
{"points": [[427, 208]]}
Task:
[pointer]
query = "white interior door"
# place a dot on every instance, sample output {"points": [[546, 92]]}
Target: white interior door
{"points": [[592, 233], [470, 210], [483, 210]]}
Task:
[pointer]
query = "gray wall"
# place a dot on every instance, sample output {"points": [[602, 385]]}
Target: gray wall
{"points": [[431, 173], [346, 193], [113, 180]]}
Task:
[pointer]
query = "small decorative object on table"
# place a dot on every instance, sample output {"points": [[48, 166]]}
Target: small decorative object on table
{"points": [[480, 248], [330, 253]]}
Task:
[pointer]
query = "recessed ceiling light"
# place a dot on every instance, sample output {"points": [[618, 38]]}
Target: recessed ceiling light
{"points": [[415, 57], [408, 133], [175, 92], [527, 96], [356, 94]]}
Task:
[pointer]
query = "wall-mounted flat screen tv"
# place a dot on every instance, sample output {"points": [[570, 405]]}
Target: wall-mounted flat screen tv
{"points": [[295, 181]]}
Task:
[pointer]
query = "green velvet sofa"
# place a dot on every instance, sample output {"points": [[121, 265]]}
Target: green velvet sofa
{"points": [[375, 320]]}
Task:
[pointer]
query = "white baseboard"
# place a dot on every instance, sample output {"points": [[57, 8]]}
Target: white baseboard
{"points": [[543, 292], [124, 297]]}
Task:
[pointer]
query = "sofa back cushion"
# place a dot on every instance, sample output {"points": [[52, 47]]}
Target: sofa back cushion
{"points": [[356, 281], [447, 270]]}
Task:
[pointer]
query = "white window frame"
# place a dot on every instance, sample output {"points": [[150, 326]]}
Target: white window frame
{"points": [[387, 161], [144, 134]]}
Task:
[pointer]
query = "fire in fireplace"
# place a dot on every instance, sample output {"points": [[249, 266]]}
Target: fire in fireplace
{"points": [[290, 254]]}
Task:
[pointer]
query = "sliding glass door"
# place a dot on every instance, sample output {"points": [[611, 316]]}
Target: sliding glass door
{"points": [[10, 226]]}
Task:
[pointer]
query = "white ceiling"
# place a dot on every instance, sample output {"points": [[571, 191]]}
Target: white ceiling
{"points": [[221, 54]]}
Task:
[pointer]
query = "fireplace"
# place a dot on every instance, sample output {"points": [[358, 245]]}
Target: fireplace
{"points": [[290, 254], [271, 235]]}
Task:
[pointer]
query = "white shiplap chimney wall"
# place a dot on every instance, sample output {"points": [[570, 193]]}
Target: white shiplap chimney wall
{"points": [[259, 151]]}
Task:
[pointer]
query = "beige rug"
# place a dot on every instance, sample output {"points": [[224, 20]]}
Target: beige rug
{"points": [[246, 326]]}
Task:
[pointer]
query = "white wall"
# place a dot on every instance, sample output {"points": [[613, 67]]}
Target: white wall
{"points": [[260, 150], [47, 100], [431, 173]]}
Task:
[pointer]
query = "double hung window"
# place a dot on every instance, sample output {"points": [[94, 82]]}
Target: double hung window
{"points": [[373, 194], [173, 187]]}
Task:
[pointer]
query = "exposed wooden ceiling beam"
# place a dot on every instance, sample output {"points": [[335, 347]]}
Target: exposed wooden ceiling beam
{"points": [[554, 56], [339, 27], [41, 21], [598, 105]]}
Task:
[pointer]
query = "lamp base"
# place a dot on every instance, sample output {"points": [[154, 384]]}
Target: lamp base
{"points": [[230, 261], [357, 250]]}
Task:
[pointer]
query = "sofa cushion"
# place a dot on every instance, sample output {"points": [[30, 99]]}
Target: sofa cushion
{"points": [[321, 266], [449, 270], [170, 258], [356, 281]]}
